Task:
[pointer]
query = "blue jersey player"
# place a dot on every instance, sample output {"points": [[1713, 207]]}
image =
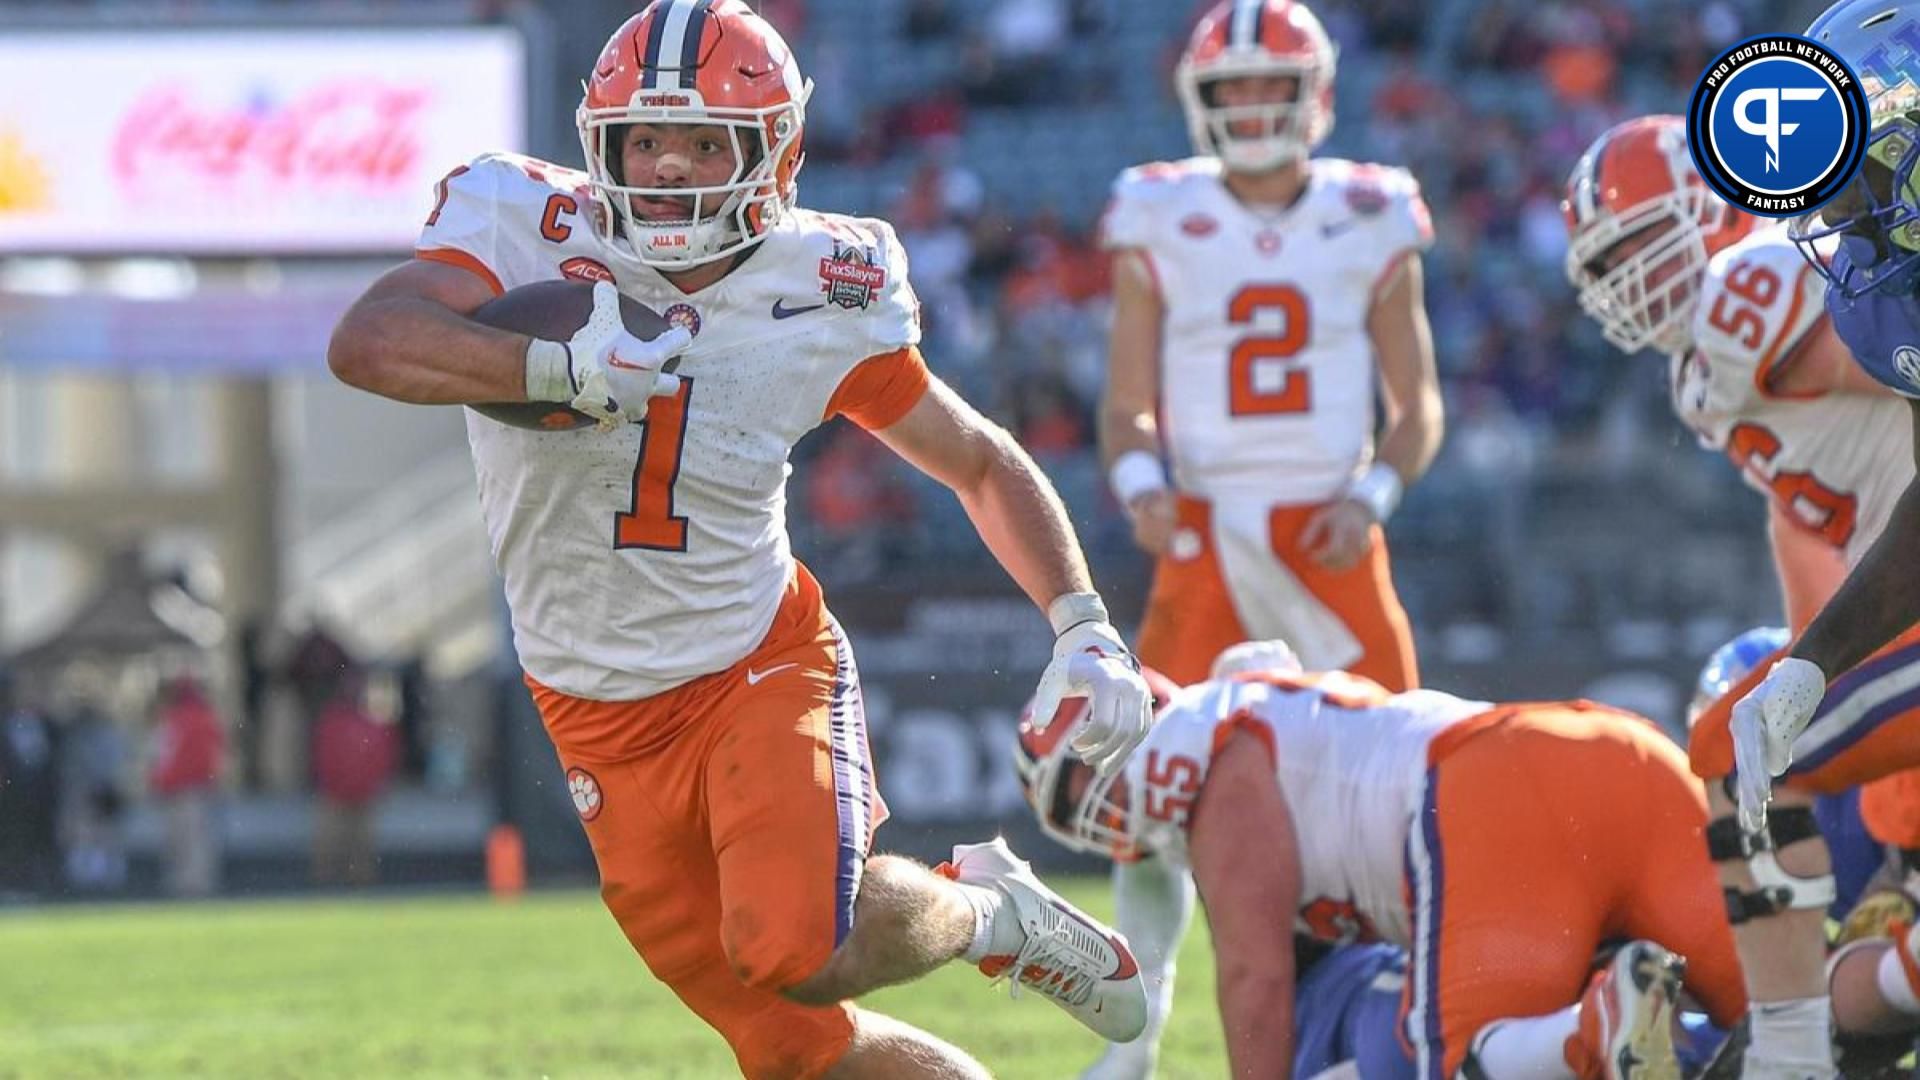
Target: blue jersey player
{"points": [[1872, 282]]}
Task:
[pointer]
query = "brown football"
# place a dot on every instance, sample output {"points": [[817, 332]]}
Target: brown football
{"points": [[553, 310]]}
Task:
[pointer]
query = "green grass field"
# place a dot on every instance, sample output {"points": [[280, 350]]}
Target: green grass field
{"points": [[463, 987]]}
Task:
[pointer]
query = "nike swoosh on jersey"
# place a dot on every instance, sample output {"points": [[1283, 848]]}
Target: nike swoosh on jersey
{"points": [[1334, 228], [782, 311], [754, 677]]}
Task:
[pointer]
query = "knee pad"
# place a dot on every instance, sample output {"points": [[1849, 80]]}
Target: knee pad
{"points": [[790, 1042], [1774, 890]]}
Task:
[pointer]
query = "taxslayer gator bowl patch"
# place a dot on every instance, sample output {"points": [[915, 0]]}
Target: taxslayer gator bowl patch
{"points": [[851, 276]]}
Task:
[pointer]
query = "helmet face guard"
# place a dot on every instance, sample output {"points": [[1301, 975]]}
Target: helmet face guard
{"points": [[693, 63], [1258, 39], [1095, 819], [724, 218], [1284, 131], [1642, 226], [1877, 218], [1647, 298]]}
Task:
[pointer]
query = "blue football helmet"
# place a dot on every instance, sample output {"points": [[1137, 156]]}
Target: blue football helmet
{"points": [[1732, 662], [1877, 217]]}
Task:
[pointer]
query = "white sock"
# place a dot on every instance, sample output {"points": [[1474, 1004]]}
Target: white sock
{"points": [[1895, 986], [991, 933], [1795, 1034], [1530, 1048]]}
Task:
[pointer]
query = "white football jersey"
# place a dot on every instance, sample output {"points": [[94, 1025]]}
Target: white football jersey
{"points": [[1836, 462], [640, 558], [1267, 370], [1352, 763]]}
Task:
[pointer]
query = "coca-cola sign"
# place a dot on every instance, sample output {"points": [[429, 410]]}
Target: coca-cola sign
{"points": [[211, 142]]}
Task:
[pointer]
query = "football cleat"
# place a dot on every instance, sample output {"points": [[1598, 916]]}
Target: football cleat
{"points": [[1626, 1016], [1067, 956]]}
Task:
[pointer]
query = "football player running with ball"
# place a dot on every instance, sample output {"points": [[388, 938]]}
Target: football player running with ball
{"points": [[704, 702]]}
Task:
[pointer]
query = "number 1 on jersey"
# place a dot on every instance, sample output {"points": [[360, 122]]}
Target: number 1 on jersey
{"points": [[1295, 394], [651, 523]]}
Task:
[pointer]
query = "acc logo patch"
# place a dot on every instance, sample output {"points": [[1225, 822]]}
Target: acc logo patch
{"points": [[1906, 361], [684, 316], [585, 790], [1198, 226], [851, 276], [581, 268], [1777, 125]]}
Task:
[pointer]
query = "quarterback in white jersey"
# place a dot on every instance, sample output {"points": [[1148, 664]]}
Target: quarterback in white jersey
{"points": [[704, 703], [1499, 844], [1260, 297], [1757, 372]]}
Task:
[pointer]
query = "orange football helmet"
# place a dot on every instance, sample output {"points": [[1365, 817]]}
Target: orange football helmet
{"points": [[1642, 226], [1241, 38], [695, 62]]}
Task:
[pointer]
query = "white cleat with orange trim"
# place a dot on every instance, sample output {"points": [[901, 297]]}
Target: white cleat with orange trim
{"points": [[1067, 956]]}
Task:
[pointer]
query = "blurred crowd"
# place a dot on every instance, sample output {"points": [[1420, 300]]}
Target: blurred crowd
{"points": [[81, 757], [1488, 102]]}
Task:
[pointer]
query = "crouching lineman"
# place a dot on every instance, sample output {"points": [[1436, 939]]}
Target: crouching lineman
{"points": [[1500, 844]]}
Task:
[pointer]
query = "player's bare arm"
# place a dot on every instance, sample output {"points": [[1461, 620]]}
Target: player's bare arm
{"points": [[1410, 385], [1810, 569], [1881, 598], [408, 338], [1129, 430], [1415, 418], [1247, 871], [1024, 524], [1009, 499]]}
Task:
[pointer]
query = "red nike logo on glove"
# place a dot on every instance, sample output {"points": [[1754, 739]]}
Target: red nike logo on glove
{"points": [[614, 361]]}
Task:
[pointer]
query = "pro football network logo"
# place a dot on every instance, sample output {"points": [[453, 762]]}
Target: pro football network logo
{"points": [[1777, 125], [587, 799]]}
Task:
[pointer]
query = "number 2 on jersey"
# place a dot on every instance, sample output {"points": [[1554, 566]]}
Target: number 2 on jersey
{"points": [[1295, 394], [650, 523]]}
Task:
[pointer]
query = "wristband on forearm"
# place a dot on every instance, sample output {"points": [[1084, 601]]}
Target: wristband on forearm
{"points": [[1069, 610], [1378, 489], [550, 371], [1136, 473]]}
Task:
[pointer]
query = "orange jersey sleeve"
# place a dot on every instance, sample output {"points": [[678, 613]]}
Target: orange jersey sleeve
{"points": [[882, 389]]}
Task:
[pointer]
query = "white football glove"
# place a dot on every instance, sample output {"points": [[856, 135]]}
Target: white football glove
{"points": [[1090, 661], [611, 373], [1765, 723]]}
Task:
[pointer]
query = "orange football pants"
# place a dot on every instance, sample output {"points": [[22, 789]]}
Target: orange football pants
{"points": [[1548, 829], [1866, 731], [1191, 618], [731, 818]]}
